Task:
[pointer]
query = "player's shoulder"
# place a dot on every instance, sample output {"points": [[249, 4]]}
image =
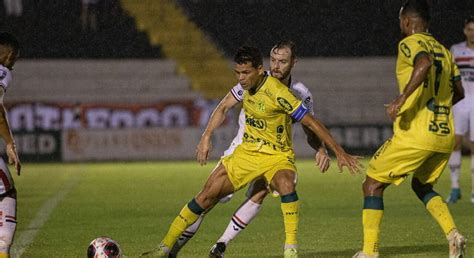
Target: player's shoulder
{"points": [[274, 83], [458, 47], [300, 89]]}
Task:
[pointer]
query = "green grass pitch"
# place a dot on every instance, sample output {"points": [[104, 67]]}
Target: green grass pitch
{"points": [[62, 207]]}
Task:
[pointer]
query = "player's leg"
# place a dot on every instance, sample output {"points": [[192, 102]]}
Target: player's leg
{"points": [[372, 214], [186, 236], [284, 182], [242, 217], [8, 222], [455, 168], [471, 145], [217, 186], [383, 169], [7, 210], [461, 127], [422, 185]]}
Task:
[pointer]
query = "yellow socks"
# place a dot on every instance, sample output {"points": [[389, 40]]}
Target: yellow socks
{"points": [[371, 222], [440, 212], [290, 210], [4, 255], [188, 215], [371, 218]]}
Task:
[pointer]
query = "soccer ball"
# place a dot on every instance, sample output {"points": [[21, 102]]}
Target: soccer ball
{"points": [[104, 247]]}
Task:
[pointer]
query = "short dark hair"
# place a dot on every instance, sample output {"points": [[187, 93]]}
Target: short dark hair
{"points": [[248, 54], [286, 44], [7, 39], [418, 7], [468, 20]]}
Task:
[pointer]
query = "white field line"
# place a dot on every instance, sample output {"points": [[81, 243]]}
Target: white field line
{"points": [[26, 237]]}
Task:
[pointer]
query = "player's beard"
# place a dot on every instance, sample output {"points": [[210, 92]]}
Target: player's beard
{"points": [[281, 75]]}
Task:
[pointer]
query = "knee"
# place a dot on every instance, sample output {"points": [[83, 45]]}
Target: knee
{"points": [[206, 200], [424, 192], [372, 187], [284, 182], [285, 186]]}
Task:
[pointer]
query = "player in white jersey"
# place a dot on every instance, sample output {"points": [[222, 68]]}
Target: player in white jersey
{"points": [[282, 60], [463, 111], [9, 50]]}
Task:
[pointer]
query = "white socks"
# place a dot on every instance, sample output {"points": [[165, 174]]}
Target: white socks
{"points": [[240, 220], [455, 166]]}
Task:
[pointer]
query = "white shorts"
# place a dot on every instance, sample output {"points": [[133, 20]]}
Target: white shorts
{"points": [[464, 121], [6, 180]]}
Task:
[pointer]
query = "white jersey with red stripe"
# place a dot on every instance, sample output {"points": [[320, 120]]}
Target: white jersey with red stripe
{"points": [[6, 180], [464, 58], [297, 88]]}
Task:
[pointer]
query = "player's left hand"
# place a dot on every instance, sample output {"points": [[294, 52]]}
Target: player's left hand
{"points": [[322, 159], [13, 157], [203, 149], [349, 161], [393, 108]]}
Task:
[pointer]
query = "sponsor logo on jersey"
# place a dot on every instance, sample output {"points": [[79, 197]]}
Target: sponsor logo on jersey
{"points": [[392, 175], [269, 94], [422, 44], [438, 110], [240, 92], [255, 122], [262, 142], [405, 50], [261, 106], [285, 104], [307, 101]]}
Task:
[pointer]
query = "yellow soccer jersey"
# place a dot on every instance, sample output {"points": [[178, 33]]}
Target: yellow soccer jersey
{"points": [[268, 117], [426, 120]]}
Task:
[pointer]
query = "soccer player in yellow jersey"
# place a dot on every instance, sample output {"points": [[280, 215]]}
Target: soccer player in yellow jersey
{"points": [[266, 150], [423, 139]]}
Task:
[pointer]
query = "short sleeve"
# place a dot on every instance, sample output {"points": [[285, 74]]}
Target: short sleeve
{"points": [[410, 48], [291, 105], [456, 74], [5, 77], [238, 92]]}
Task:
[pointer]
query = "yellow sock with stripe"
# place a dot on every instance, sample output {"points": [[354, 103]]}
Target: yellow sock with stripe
{"points": [[188, 215], [290, 209], [371, 218], [440, 212]]}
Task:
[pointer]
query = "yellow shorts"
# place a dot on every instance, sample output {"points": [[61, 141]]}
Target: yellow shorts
{"points": [[244, 166], [393, 162]]}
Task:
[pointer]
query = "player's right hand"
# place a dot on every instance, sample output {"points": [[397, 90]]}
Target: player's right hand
{"points": [[322, 159], [203, 149], [13, 157]]}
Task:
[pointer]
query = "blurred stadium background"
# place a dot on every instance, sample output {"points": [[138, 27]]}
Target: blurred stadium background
{"points": [[139, 85], [150, 71]]}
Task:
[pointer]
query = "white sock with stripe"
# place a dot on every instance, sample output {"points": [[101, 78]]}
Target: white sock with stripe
{"points": [[240, 220]]}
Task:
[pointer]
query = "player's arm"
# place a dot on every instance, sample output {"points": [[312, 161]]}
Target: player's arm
{"points": [[7, 136], [322, 158], [458, 94], [422, 64], [217, 118], [343, 159], [458, 90]]}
